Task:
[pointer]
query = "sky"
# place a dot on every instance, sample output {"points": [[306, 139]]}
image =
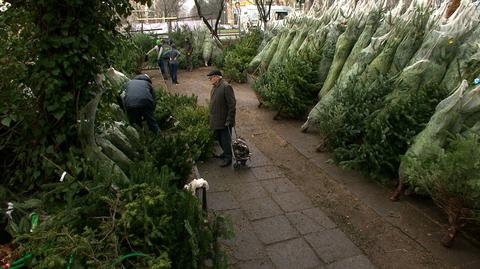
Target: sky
{"points": [[188, 5]]}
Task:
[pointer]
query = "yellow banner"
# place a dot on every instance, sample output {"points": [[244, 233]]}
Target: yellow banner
{"points": [[245, 2]]}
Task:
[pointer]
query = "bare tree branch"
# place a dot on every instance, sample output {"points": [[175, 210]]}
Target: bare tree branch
{"points": [[263, 13], [212, 30], [219, 15]]}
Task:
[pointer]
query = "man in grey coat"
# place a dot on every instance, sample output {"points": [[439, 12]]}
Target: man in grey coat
{"points": [[139, 101], [222, 113]]}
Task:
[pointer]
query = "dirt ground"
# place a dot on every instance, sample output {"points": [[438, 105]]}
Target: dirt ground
{"points": [[393, 235]]}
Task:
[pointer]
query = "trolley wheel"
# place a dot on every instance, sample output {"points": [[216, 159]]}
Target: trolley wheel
{"points": [[236, 165]]}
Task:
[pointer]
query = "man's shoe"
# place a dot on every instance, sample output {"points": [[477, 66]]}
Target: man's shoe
{"points": [[226, 163]]}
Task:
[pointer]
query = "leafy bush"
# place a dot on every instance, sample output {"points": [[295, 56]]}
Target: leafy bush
{"points": [[19, 161], [168, 103], [270, 85], [190, 140], [156, 227], [451, 172], [390, 131], [143, 41], [218, 57], [128, 55], [371, 136], [178, 37], [152, 223], [238, 56], [51, 77], [179, 34], [343, 119], [290, 87], [51, 59], [173, 151], [194, 122]]}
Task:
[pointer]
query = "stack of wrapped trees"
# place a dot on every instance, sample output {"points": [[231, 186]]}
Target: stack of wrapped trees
{"points": [[383, 69]]}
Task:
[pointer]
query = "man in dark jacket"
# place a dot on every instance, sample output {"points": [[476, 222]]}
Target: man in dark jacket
{"points": [[222, 114], [140, 102]]}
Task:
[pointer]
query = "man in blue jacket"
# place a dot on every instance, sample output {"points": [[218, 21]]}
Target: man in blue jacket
{"points": [[139, 101]]}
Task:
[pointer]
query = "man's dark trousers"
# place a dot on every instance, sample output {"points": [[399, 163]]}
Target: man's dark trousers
{"points": [[173, 71], [136, 114], [163, 68], [225, 139]]}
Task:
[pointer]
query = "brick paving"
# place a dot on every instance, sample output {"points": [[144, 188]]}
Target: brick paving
{"points": [[275, 225]]}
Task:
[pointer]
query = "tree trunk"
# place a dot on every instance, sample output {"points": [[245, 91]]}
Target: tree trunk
{"points": [[86, 132], [212, 30], [263, 13], [451, 8], [457, 215]]}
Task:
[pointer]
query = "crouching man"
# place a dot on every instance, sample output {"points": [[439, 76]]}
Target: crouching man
{"points": [[139, 101]]}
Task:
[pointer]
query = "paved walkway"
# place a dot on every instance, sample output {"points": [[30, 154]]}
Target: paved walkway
{"points": [[276, 225]]}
